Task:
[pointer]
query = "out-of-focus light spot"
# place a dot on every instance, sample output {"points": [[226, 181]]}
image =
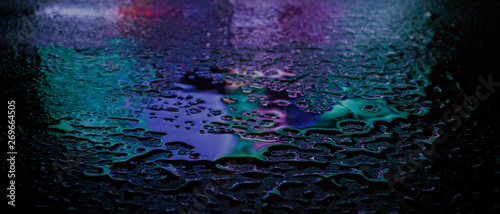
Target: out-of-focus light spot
{"points": [[78, 12]]}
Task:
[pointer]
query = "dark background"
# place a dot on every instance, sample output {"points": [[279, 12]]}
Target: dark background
{"points": [[467, 164]]}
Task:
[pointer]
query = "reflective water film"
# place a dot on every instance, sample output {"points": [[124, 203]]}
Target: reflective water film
{"points": [[242, 106]]}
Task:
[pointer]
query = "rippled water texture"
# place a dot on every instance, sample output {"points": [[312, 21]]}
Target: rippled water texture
{"points": [[260, 106]]}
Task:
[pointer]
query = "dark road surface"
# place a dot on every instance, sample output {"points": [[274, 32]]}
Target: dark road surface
{"points": [[128, 106]]}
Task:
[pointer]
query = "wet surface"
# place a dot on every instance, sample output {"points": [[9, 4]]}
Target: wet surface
{"points": [[261, 107]]}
